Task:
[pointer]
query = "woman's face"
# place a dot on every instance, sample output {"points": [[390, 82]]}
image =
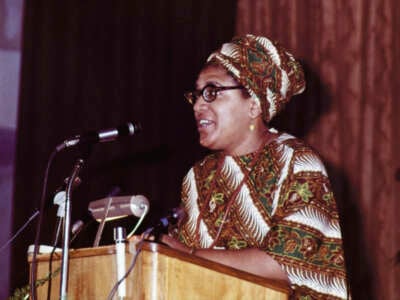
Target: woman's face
{"points": [[224, 123]]}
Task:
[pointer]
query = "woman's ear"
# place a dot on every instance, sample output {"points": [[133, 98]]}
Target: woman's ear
{"points": [[255, 108]]}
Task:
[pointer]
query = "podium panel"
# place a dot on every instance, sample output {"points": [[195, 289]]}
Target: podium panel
{"points": [[160, 273]]}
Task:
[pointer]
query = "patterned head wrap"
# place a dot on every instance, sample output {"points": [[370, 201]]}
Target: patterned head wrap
{"points": [[269, 73]]}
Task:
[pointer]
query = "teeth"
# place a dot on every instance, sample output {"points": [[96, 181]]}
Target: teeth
{"points": [[204, 122]]}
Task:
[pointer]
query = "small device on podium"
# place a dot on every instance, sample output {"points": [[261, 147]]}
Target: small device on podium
{"points": [[112, 208]]}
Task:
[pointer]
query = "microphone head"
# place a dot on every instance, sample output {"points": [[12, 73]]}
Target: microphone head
{"points": [[129, 128], [77, 226], [101, 136], [178, 213]]}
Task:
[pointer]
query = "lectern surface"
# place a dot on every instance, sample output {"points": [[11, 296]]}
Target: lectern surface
{"points": [[159, 273]]}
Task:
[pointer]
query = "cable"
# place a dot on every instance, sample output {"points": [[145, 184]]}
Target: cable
{"points": [[139, 247], [33, 271], [56, 238], [146, 210], [34, 215]]}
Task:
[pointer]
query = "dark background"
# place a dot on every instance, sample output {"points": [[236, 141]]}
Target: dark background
{"points": [[89, 65]]}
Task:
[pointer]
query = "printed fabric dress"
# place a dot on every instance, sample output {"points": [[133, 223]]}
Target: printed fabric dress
{"points": [[280, 201]]}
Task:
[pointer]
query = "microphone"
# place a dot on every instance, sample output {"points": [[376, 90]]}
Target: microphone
{"points": [[101, 136], [120, 245], [174, 216]]}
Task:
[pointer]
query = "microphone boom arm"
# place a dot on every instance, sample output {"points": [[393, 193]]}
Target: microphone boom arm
{"points": [[67, 224]]}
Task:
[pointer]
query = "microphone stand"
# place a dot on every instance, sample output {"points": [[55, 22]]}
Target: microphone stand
{"points": [[67, 224]]}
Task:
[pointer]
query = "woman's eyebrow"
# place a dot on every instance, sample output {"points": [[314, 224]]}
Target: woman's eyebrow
{"points": [[208, 82]]}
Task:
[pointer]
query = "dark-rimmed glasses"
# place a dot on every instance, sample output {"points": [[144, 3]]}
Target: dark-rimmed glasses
{"points": [[209, 93]]}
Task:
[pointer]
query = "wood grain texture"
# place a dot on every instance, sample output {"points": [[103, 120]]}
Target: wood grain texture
{"points": [[160, 273]]}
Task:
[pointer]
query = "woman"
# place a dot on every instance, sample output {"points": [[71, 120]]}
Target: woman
{"points": [[262, 201]]}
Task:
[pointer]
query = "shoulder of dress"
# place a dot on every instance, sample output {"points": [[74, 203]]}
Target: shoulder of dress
{"points": [[301, 155]]}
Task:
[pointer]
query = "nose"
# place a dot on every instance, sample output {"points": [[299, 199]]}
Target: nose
{"points": [[200, 104]]}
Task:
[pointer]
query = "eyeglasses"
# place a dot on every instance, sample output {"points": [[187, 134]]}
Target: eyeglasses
{"points": [[209, 93]]}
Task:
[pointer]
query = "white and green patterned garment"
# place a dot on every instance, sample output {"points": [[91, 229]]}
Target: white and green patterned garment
{"points": [[285, 207]]}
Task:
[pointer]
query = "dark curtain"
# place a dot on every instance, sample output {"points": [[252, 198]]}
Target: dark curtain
{"points": [[350, 114], [91, 65]]}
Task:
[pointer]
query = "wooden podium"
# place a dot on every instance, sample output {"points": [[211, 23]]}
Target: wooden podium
{"points": [[160, 273]]}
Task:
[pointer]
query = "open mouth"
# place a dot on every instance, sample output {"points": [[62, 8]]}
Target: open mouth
{"points": [[204, 123]]}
